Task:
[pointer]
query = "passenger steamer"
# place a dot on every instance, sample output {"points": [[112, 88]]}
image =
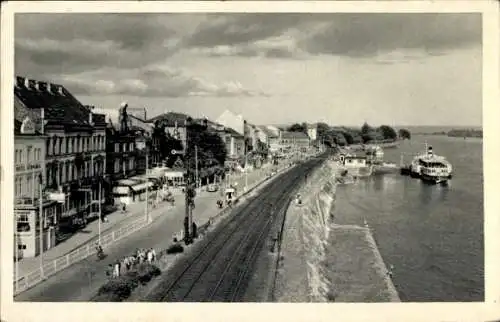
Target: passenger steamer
{"points": [[431, 167]]}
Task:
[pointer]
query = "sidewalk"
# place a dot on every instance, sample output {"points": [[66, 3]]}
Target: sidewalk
{"points": [[116, 220]]}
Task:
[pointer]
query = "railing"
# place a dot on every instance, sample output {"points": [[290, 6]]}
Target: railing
{"points": [[51, 268]]}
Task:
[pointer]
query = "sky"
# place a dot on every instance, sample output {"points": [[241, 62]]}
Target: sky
{"points": [[273, 68]]}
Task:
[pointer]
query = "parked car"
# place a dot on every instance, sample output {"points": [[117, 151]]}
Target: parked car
{"points": [[212, 188]]}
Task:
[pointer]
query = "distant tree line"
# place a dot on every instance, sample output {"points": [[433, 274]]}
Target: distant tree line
{"points": [[341, 135], [466, 133]]}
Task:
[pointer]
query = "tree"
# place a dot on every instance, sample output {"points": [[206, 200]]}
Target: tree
{"points": [[365, 129], [298, 128], [211, 149], [404, 134], [388, 133]]}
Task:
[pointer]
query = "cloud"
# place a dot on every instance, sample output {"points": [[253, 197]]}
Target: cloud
{"points": [[72, 43], [152, 81], [344, 34]]}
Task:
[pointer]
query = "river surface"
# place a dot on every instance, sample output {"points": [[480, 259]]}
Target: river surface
{"points": [[433, 235]]}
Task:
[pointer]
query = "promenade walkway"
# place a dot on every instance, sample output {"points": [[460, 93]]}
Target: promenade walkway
{"points": [[90, 233], [88, 274]]}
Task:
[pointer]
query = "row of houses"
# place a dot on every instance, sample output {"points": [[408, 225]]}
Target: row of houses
{"points": [[69, 157]]}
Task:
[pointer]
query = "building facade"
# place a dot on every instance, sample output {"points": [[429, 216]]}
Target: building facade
{"points": [[235, 143], [29, 179], [295, 141], [75, 146]]}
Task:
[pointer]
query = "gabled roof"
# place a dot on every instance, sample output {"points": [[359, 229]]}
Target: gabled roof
{"points": [[60, 107]]}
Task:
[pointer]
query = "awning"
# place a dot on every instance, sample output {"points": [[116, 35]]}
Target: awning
{"points": [[127, 182], [120, 190], [142, 186]]}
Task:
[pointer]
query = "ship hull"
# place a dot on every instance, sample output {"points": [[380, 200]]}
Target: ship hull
{"points": [[434, 179]]}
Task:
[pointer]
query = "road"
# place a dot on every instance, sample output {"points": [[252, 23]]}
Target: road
{"points": [[222, 263], [80, 281]]}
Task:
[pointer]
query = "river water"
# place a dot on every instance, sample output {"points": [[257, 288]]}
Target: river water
{"points": [[433, 235]]}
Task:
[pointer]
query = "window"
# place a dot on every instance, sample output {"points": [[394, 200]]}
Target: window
{"points": [[124, 147], [131, 146], [67, 145], [22, 225], [16, 188], [29, 149], [16, 157], [117, 147], [117, 166], [60, 148]]}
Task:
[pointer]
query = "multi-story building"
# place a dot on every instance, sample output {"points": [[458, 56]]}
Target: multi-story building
{"points": [[174, 124], [294, 141], [75, 145], [235, 144], [238, 124], [29, 179]]}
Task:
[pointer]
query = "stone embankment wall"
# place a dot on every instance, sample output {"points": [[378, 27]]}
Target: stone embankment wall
{"points": [[324, 262]]}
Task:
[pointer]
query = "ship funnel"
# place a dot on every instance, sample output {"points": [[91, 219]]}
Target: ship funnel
{"points": [[429, 150]]}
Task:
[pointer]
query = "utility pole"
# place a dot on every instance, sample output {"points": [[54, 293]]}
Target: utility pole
{"points": [[146, 212], [100, 212], [246, 171], [188, 191], [40, 210], [196, 160]]}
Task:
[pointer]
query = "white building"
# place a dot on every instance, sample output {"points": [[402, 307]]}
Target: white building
{"points": [[29, 179]]}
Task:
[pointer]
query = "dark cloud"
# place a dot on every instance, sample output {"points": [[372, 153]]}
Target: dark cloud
{"points": [[64, 43], [368, 34], [350, 34], [238, 28]]}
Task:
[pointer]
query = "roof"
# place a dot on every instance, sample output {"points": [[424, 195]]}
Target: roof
{"points": [[294, 135], [269, 133], [60, 106], [232, 132], [170, 118]]}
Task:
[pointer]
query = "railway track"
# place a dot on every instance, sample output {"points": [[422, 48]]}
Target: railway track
{"points": [[220, 267]]}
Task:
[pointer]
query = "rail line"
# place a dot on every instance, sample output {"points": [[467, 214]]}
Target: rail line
{"points": [[219, 268]]}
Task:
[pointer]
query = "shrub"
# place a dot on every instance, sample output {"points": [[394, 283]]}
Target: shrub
{"points": [[145, 272], [116, 290], [120, 288], [175, 248]]}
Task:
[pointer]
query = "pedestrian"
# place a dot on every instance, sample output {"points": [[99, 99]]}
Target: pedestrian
{"points": [[150, 256], [154, 254], [127, 263]]}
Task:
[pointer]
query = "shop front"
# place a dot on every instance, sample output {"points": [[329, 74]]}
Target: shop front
{"points": [[27, 222]]}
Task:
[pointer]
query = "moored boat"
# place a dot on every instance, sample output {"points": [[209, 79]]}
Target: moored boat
{"points": [[430, 167]]}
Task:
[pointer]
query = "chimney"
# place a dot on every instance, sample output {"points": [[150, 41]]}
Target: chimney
{"points": [[27, 82], [49, 88], [60, 90], [90, 118], [145, 114], [37, 86]]}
